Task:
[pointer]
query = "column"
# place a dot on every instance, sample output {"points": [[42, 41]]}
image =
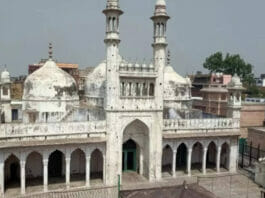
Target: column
{"points": [[204, 160], [22, 176], [2, 176], [67, 170], [174, 163], [104, 169], [189, 161], [218, 156], [87, 171], [45, 174], [141, 162]]}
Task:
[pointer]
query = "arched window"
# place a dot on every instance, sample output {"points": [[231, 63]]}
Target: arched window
{"points": [[162, 29], [113, 24], [123, 88], [151, 89], [130, 89], [157, 29], [137, 89], [110, 24]]}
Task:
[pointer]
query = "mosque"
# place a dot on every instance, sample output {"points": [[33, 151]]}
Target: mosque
{"points": [[135, 118]]}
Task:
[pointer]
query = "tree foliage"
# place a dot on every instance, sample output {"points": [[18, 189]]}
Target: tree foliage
{"points": [[230, 64]]}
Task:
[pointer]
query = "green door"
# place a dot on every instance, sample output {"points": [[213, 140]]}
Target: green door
{"points": [[129, 156]]}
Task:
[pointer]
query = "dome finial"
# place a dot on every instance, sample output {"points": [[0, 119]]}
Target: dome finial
{"points": [[50, 51], [161, 2]]}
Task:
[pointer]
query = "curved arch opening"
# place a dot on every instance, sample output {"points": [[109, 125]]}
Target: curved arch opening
{"points": [[96, 167], [196, 159], [135, 148], [12, 173], [34, 170], [77, 167], [181, 159], [167, 158], [224, 158], [56, 168], [211, 156]]}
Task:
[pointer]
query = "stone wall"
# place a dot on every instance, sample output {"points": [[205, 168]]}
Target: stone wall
{"points": [[257, 137], [252, 114]]}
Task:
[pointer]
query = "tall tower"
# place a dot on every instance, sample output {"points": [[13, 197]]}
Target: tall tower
{"points": [[112, 41], [234, 103], [159, 45]]}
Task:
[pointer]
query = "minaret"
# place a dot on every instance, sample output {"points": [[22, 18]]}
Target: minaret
{"points": [[234, 102], [112, 41], [159, 45]]}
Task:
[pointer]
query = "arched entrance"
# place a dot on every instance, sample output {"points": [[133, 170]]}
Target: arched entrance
{"points": [[196, 160], [34, 170], [56, 168], [135, 148], [211, 156], [77, 167], [12, 172], [181, 158], [96, 167], [167, 158], [129, 160], [224, 158]]}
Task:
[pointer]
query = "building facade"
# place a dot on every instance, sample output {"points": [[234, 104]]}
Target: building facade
{"points": [[131, 120]]}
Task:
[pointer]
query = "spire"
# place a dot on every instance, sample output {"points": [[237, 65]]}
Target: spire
{"points": [[113, 4], [50, 51], [160, 8]]}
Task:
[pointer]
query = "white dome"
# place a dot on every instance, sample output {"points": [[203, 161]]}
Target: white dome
{"points": [[5, 76], [171, 76], [235, 82], [50, 83], [95, 82], [161, 2]]}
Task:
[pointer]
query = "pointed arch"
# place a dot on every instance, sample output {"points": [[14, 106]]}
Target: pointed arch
{"points": [[181, 157], [167, 158], [12, 171], [56, 167], [137, 131], [197, 155], [96, 165], [225, 156], [211, 155], [78, 165]]}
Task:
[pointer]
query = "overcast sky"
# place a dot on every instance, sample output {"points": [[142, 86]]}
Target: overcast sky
{"points": [[76, 28]]}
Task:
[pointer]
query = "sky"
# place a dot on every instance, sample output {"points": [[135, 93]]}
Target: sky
{"points": [[197, 29]]}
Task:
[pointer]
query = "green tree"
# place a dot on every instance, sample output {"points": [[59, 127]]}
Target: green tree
{"points": [[230, 64]]}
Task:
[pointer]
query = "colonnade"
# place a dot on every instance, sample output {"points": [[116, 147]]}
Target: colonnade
{"points": [[203, 159], [22, 158]]}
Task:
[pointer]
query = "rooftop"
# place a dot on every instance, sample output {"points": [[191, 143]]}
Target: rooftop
{"points": [[182, 191]]}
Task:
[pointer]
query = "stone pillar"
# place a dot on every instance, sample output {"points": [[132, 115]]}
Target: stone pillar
{"points": [[67, 171], [2, 176], [218, 156], [104, 169], [141, 162], [174, 163], [204, 160], [87, 171], [45, 174], [22, 177], [189, 161]]}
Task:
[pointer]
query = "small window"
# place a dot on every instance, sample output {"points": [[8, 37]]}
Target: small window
{"points": [[14, 114], [151, 89], [5, 91]]}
